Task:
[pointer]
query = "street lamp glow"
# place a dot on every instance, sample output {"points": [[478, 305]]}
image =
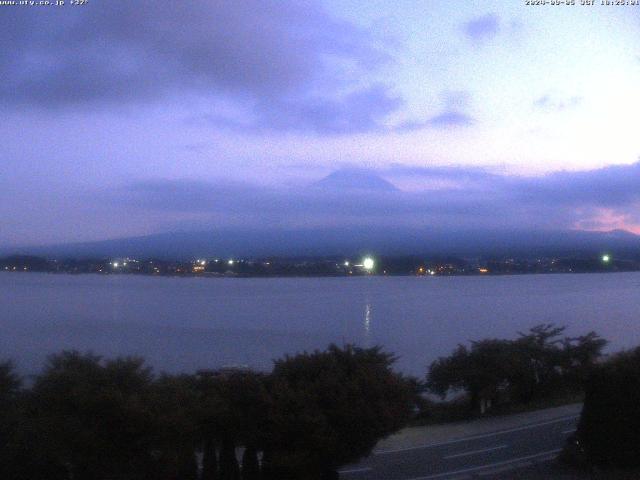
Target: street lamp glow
{"points": [[368, 263], [230, 262], [606, 258]]}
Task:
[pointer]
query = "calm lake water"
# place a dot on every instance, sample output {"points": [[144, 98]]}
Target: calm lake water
{"points": [[181, 324]]}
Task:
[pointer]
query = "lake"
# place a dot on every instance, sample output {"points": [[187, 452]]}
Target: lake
{"points": [[181, 324]]}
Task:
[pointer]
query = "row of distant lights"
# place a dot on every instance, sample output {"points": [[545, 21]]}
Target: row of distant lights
{"points": [[367, 263], [231, 261], [201, 262], [429, 271]]}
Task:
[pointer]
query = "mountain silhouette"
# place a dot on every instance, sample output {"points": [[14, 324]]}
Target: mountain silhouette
{"points": [[348, 240], [355, 179]]}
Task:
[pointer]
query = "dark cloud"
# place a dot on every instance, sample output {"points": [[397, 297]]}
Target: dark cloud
{"points": [[451, 119], [260, 206], [475, 198], [452, 115], [356, 112], [457, 173], [615, 186], [482, 28], [265, 56], [447, 119]]}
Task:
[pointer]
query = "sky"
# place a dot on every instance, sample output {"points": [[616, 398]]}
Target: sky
{"points": [[129, 118]]}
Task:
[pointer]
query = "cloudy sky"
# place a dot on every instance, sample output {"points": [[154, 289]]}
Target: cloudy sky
{"points": [[126, 118]]}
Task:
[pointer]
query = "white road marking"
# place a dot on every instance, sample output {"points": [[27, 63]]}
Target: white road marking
{"points": [[569, 431], [355, 470], [474, 452], [476, 437], [489, 465]]}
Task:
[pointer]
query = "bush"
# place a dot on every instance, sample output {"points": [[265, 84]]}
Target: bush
{"points": [[330, 408], [537, 365], [609, 428], [88, 418]]}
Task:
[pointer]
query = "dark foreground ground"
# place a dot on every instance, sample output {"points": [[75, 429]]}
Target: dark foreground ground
{"points": [[520, 447]]}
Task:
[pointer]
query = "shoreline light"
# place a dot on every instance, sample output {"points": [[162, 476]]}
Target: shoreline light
{"points": [[368, 263]]}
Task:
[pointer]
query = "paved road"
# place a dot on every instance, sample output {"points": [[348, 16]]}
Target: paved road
{"points": [[468, 456]]}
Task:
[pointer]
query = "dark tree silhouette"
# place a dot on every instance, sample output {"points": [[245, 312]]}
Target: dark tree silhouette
{"points": [[86, 418], [95, 415], [250, 464], [537, 364], [173, 402], [481, 371], [233, 412], [209, 460], [580, 354], [331, 408], [609, 427]]}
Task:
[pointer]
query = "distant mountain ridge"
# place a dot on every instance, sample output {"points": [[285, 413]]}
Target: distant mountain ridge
{"points": [[355, 179], [349, 241]]}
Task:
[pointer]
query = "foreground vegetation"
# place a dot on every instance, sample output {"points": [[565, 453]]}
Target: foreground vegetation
{"points": [[85, 418], [538, 368], [541, 368], [608, 434]]}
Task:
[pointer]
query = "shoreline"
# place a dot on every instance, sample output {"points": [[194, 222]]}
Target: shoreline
{"points": [[388, 275]]}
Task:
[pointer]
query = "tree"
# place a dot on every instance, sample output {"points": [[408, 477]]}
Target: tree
{"points": [[539, 358], [12, 451], [232, 413], [208, 421], [609, 427], [331, 408], [481, 371], [580, 355], [95, 415], [537, 364], [87, 418], [173, 403], [10, 384]]}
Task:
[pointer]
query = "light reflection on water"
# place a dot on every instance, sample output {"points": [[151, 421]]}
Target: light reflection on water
{"points": [[367, 324]]}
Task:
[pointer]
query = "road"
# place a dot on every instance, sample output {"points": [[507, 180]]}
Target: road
{"points": [[468, 456]]}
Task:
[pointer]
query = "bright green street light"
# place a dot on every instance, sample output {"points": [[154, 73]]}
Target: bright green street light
{"points": [[368, 263]]}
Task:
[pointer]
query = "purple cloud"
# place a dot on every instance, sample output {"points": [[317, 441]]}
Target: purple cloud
{"points": [[446, 119], [455, 173], [281, 61], [451, 119], [471, 198], [362, 110], [482, 28], [453, 198]]}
